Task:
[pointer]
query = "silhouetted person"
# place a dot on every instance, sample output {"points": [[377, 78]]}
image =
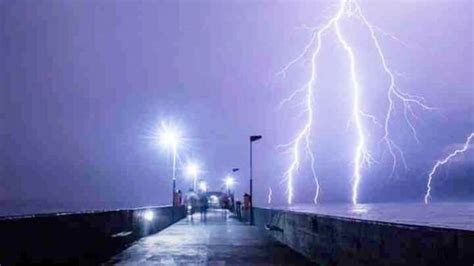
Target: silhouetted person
{"points": [[232, 203], [179, 198], [247, 201], [238, 206], [203, 206], [176, 198]]}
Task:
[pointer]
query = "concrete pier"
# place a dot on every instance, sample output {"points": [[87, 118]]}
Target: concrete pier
{"points": [[216, 239], [166, 236], [332, 240], [86, 238]]}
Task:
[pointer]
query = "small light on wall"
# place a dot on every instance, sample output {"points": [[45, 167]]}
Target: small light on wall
{"points": [[149, 215]]}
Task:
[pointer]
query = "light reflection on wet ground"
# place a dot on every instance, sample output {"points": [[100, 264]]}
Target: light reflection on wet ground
{"points": [[216, 239]]}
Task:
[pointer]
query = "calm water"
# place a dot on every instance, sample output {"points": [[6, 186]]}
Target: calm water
{"points": [[458, 215]]}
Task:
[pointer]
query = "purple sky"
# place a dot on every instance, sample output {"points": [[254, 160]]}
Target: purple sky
{"points": [[83, 83]]}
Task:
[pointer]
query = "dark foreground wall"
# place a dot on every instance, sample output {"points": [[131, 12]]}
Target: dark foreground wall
{"points": [[79, 238], [343, 241]]}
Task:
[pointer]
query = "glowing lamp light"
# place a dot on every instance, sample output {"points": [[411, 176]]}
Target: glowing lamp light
{"points": [[229, 182], [203, 186], [192, 169], [169, 138], [214, 199], [149, 215]]}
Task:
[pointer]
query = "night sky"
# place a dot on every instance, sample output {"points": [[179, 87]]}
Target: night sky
{"points": [[85, 84]]}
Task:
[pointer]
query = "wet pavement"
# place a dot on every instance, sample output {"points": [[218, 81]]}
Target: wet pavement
{"points": [[217, 239]]}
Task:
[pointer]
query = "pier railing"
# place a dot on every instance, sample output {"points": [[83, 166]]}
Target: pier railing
{"points": [[331, 240]]}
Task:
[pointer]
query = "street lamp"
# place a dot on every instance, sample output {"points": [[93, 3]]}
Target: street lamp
{"points": [[229, 182], [231, 194], [192, 169], [233, 171], [170, 138], [252, 139], [203, 186]]}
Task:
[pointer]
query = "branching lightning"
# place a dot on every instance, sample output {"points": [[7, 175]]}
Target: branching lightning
{"points": [[442, 162], [348, 9], [394, 93]]}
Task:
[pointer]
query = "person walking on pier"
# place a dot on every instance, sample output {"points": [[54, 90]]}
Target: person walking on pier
{"points": [[203, 207], [238, 206]]}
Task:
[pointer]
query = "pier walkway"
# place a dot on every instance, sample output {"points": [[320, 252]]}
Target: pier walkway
{"points": [[216, 239]]}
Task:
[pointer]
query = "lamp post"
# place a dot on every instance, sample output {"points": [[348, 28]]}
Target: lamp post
{"points": [[233, 171], [170, 139], [174, 175], [252, 139], [192, 170], [232, 195], [229, 182]]}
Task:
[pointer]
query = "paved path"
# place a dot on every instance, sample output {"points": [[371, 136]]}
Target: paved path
{"points": [[217, 240]]}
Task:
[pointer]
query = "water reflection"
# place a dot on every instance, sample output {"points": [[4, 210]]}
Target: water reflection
{"points": [[360, 209]]}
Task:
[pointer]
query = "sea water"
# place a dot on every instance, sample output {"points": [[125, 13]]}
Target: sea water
{"points": [[458, 215]]}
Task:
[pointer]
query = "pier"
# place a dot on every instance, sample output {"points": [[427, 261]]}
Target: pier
{"points": [[216, 239], [172, 236]]}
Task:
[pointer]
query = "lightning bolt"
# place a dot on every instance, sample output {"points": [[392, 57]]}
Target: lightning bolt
{"points": [[442, 162], [362, 157], [393, 94]]}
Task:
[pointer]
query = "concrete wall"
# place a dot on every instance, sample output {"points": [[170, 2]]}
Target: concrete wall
{"points": [[78, 238], [343, 241]]}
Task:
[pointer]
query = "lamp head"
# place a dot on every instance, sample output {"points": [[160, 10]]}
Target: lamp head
{"points": [[229, 181], [169, 136], [192, 169]]}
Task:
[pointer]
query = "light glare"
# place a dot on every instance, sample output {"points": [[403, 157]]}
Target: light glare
{"points": [[203, 186], [169, 136], [192, 169], [149, 215], [229, 182]]}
